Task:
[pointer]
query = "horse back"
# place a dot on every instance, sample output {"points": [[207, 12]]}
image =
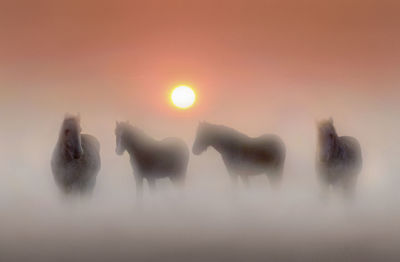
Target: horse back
{"points": [[91, 149], [264, 150], [162, 158], [271, 143], [352, 149], [174, 145], [90, 142]]}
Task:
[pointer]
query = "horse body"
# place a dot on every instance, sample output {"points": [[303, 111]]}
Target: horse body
{"points": [[75, 164], [253, 155], [161, 159], [152, 159], [339, 159], [243, 156]]}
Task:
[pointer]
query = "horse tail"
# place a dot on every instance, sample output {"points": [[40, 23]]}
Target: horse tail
{"points": [[281, 152], [185, 158], [178, 178]]}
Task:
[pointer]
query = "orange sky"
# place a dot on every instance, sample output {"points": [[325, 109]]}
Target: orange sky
{"points": [[125, 55]]}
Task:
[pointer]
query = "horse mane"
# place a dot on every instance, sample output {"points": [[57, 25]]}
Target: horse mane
{"points": [[67, 122], [327, 125], [71, 119], [225, 130], [133, 131]]}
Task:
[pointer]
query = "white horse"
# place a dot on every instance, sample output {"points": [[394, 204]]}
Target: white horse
{"points": [[76, 158], [152, 159]]}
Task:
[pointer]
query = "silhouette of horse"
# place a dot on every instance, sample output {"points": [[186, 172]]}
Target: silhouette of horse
{"points": [[76, 158], [243, 156], [152, 159], [339, 159]]}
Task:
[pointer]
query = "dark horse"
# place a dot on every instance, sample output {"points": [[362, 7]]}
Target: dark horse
{"points": [[243, 155], [76, 158], [152, 159], [339, 159]]}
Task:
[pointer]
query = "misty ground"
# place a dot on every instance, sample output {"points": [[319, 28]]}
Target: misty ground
{"points": [[202, 223]]}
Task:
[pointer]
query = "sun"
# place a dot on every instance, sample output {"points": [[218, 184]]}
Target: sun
{"points": [[183, 97]]}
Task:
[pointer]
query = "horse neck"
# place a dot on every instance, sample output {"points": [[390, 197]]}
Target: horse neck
{"points": [[334, 150], [61, 147], [135, 145], [221, 141], [338, 146]]}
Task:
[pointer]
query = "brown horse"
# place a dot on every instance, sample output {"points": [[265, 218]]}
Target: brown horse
{"points": [[339, 159], [243, 156]]}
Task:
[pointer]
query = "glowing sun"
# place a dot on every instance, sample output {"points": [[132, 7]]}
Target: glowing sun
{"points": [[183, 97]]}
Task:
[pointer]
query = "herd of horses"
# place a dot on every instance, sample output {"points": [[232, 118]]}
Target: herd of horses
{"points": [[76, 158]]}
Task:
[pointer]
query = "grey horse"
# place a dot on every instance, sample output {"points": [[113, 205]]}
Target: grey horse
{"points": [[339, 159], [76, 158], [152, 159], [243, 156]]}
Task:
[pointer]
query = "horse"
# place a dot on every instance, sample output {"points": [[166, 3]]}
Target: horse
{"points": [[152, 159], [339, 159], [242, 155], [75, 161]]}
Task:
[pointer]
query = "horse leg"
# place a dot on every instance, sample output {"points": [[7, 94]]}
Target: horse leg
{"points": [[234, 179], [348, 187], [245, 180], [275, 177], [152, 184], [324, 188], [178, 181], [231, 172], [139, 187], [234, 186], [86, 186]]}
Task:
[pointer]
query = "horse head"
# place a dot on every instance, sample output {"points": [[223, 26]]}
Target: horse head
{"points": [[202, 139], [327, 139], [122, 131], [71, 136]]}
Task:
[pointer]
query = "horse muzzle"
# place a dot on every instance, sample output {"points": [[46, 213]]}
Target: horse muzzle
{"points": [[77, 155]]}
